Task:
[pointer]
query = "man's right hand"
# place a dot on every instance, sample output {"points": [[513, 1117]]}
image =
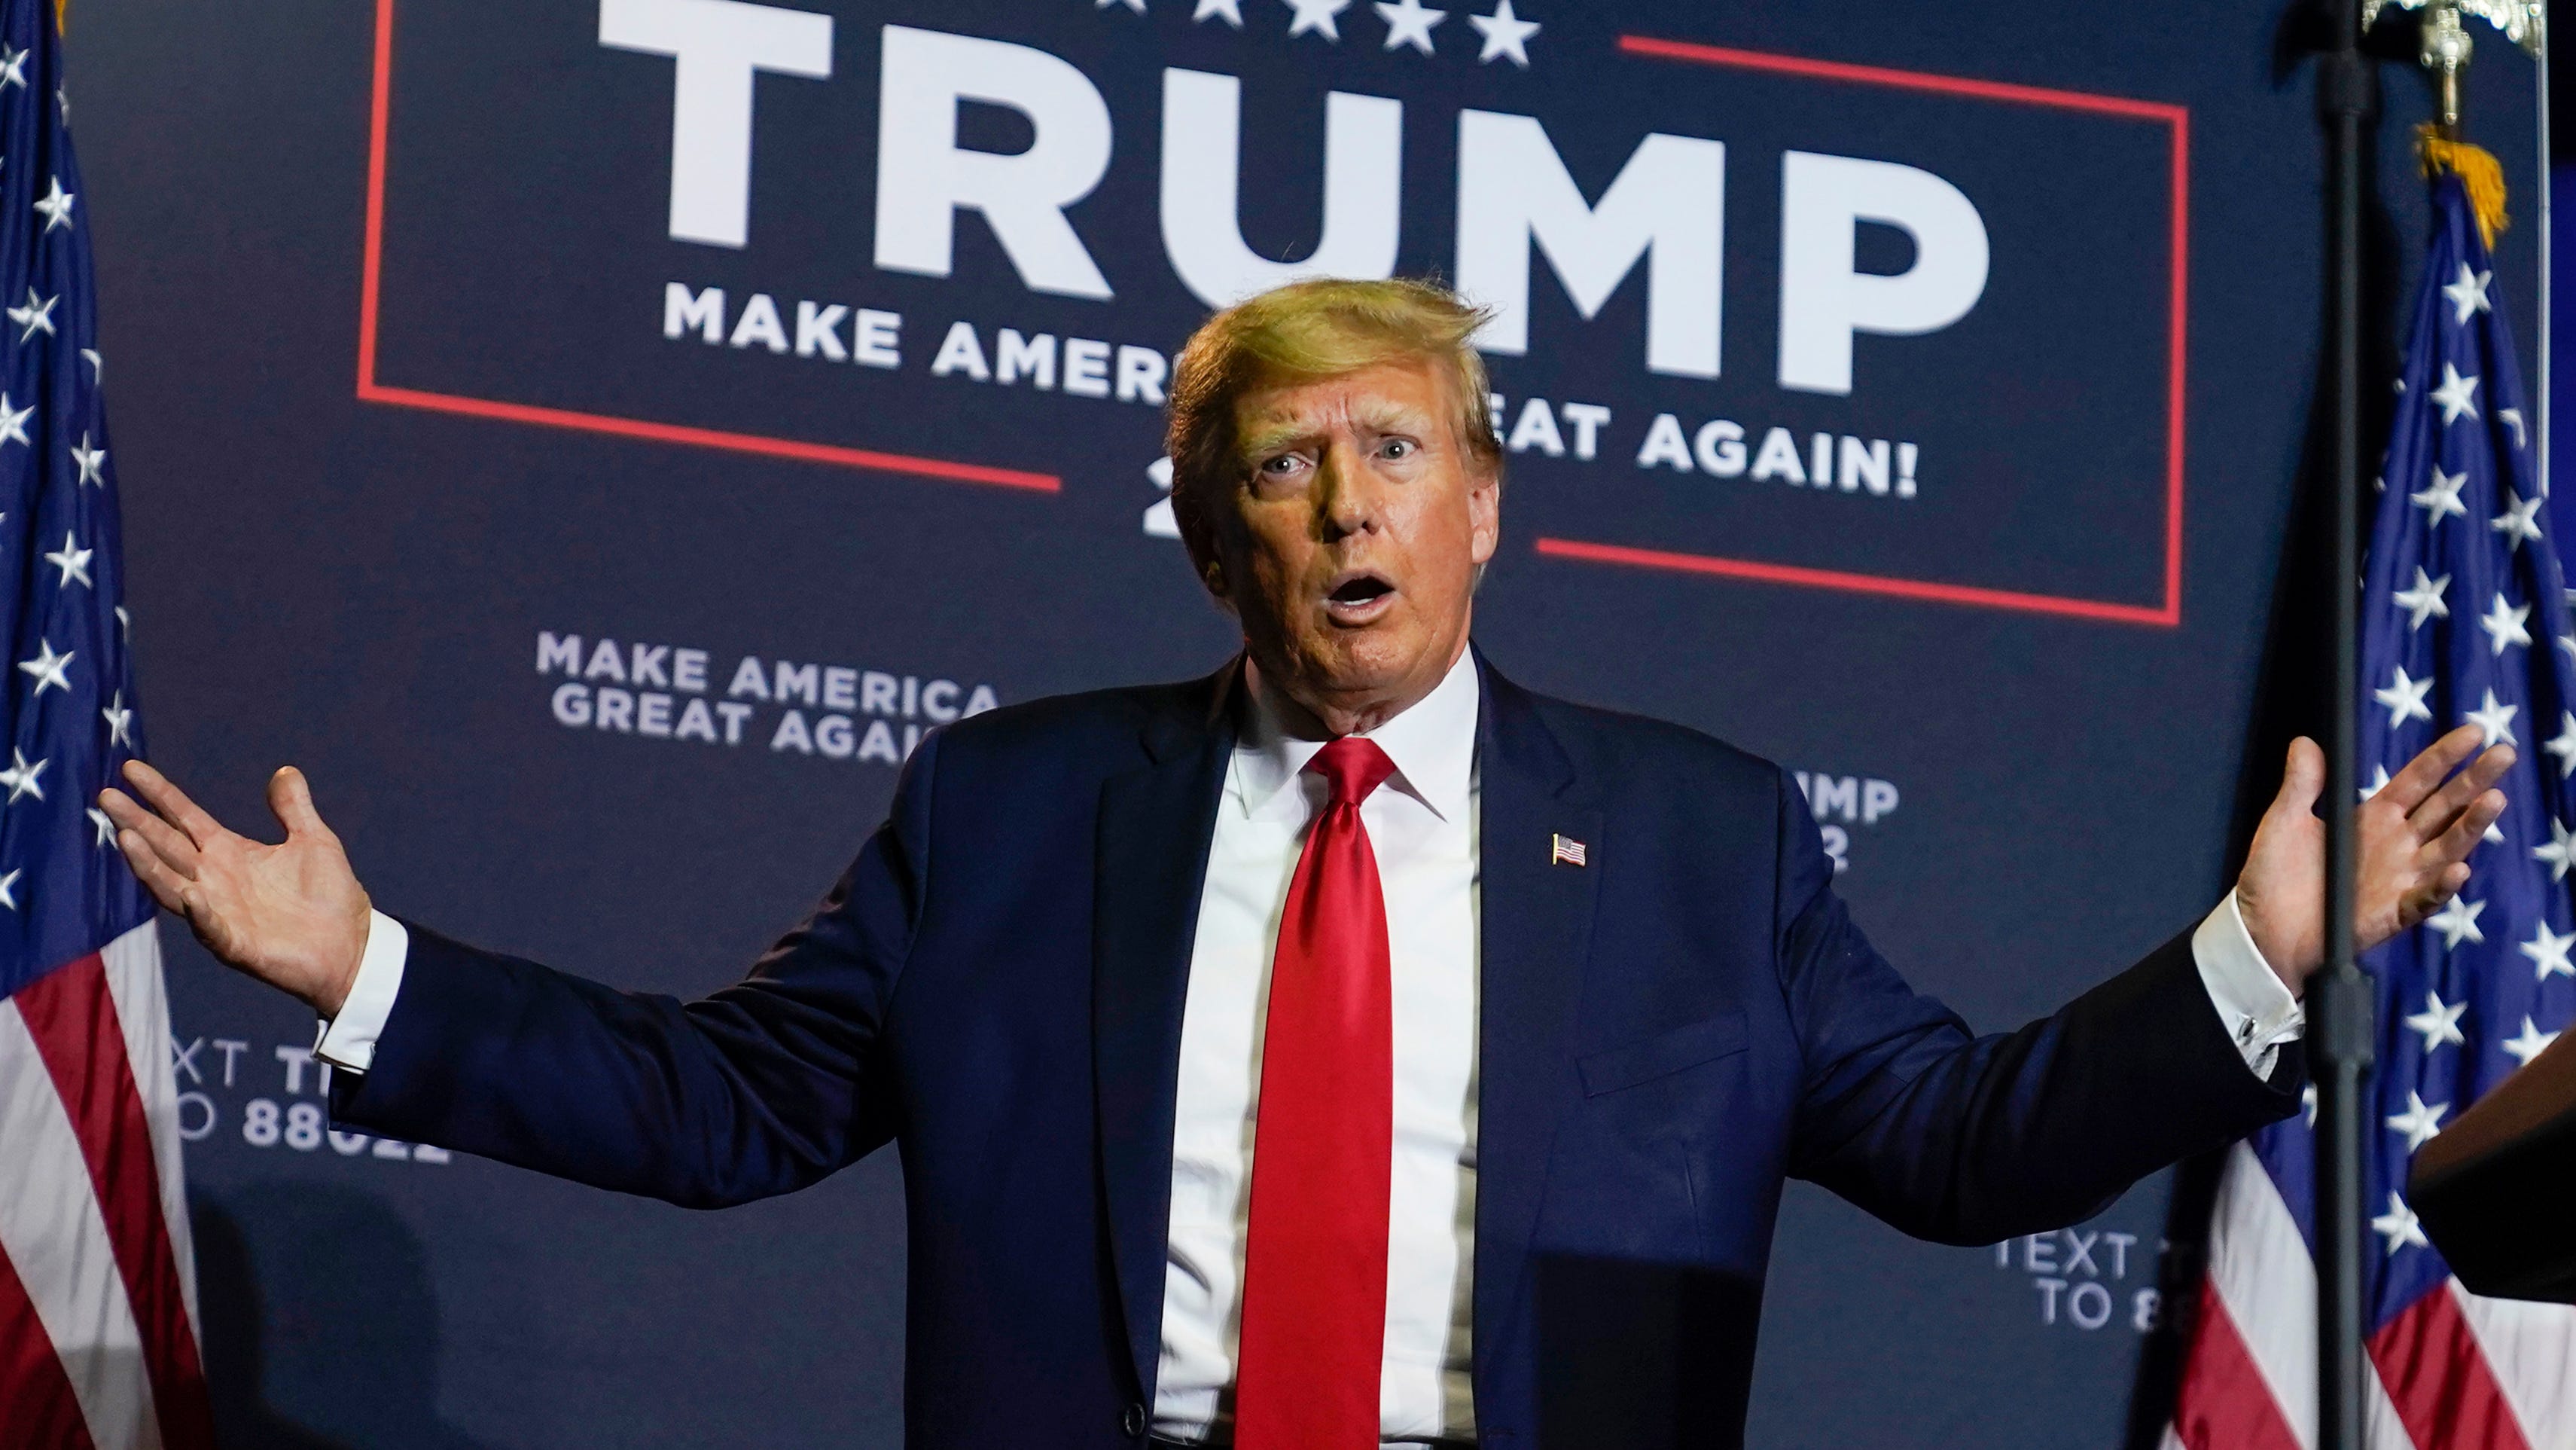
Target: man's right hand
{"points": [[292, 915]]}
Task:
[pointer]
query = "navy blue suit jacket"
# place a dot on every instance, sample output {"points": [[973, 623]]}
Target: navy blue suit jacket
{"points": [[996, 984]]}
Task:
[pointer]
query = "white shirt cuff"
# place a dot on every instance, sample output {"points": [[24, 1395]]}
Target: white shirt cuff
{"points": [[2257, 1010], [348, 1041]]}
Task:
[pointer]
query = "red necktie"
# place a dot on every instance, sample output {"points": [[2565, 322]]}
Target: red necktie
{"points": [[1314, 1263]]}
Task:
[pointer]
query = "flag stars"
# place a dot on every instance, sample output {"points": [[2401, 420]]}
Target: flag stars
{"points": [[2504, 625], [2519, 521], [2421, 1122], [2456, 394], [2529, 1043], [1229, 11], [2441, 498], [13, 68], [2439, 1024], [106, 828], [21, 778], [2378, 782], [37, 316], [2564, 745], [2424, 600], [89, 460], [1409, 23], [2457, 922], [1136, 5], [56, 204], [2494, 720], [2468, 295], [2399, 1226], [120, 722], [2404, 698], [2548, 952], [1506, 35], [2556, 854], [2512, 418], [9, 890], [1320, 17], [51, 670], [74, 562]]}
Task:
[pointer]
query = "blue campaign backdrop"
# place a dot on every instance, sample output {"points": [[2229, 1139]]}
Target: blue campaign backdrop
{"points": [[595, 438]]}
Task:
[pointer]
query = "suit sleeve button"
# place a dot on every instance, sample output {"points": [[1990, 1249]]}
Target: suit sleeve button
{"points": [[1133, 1421]]}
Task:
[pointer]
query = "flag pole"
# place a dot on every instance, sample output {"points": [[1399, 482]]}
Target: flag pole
{"points": [[2342, 1011], [2339, 1005]]}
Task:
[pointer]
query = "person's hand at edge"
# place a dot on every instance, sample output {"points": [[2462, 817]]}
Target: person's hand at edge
{"points": [[293, 914], [2416, 834]]}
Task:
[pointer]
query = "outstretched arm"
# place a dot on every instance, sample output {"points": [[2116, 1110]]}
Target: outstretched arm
{"points": [[1970, 1140], [761, 1088]]}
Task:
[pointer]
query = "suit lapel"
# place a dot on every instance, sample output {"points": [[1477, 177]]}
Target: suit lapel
{"points": [[1536, 934], [1150, 860]]}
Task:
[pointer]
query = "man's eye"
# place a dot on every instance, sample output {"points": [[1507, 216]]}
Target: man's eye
{"points": [[1281, 464], [1398, 448]]}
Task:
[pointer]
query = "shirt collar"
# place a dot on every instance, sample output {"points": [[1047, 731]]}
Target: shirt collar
{"points": [[1433, 745]]}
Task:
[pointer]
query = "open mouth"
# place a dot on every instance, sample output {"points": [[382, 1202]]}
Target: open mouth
{"points": [[1359, 597]]}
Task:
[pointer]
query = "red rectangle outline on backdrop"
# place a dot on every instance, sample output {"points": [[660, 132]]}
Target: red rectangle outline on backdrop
{"points": [[369, 390], [2169, 613]]}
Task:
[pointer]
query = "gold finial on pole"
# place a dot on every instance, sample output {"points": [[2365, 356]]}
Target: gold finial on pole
{"points": [[2524, 22], [2446, 45], [2445, 52]]}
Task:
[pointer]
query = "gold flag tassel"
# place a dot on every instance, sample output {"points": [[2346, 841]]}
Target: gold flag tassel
{"points": [[2477, 169]]}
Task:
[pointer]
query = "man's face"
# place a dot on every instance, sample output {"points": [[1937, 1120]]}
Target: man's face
{"points": [[1350, 546]]}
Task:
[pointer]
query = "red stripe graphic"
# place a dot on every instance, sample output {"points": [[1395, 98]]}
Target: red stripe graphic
{"points": [[2438, 1377], [2224, 1402], [1879, 75], [1856, 583], [73, 1020], [38, 1410]]}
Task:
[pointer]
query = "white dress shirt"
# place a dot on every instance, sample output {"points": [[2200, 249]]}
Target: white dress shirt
{"points": [[1422, 826]]}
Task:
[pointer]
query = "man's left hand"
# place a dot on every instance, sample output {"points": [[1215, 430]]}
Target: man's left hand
{"points": [[2416, 834]]}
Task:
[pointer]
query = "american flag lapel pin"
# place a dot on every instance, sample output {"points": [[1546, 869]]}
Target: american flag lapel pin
{"points": [[1564, 851]]}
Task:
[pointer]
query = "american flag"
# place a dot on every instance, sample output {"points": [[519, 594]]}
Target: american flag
{"points": [[98, 1339], [2464, 620]]}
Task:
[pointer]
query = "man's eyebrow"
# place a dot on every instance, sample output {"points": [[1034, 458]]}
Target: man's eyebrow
{"points": [[1392, 418], [1269, 437]]}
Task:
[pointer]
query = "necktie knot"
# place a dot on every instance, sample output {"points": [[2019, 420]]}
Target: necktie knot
{"points": [[1353, 767]]}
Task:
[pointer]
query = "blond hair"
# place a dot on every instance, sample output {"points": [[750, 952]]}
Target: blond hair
{"points": [[1301, 332]]}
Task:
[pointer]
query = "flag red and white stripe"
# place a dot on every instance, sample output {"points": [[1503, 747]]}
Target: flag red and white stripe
{"points": [[2452, 1371], [98, 1321]]}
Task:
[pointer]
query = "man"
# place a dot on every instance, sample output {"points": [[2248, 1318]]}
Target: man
{"points": [[1523, 1010]]}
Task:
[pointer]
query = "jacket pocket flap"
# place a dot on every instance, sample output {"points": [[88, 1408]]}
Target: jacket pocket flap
{"points": [[1663, 1054]]}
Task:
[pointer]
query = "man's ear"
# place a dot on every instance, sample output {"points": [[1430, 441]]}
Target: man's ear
{"points": [[1484, 515], [1198, 539]]}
